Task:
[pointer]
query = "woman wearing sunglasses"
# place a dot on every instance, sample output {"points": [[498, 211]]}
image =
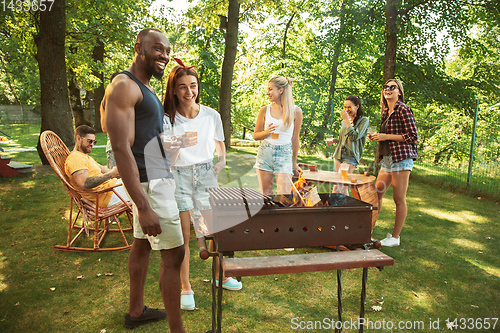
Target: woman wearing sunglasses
{"points": [[396, 151]]}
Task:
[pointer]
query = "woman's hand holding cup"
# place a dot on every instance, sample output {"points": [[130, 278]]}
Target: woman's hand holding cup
{"points": [[371, 131], [272, 130], [330, 140], [171, 142], [189, 139]]}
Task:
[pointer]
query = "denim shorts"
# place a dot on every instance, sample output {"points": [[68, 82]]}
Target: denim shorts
{"points": [[345, 157], [387, 165], [191, 182], [274, 158]]}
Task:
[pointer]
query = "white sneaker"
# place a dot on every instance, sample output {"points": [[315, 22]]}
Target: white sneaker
{"points": [[390, 241]]}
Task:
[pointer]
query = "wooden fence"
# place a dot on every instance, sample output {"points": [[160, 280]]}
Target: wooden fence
{"points": [[19, 114]]}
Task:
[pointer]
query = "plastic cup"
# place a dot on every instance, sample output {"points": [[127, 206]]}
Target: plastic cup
{"points": [[276, 134], [168, 136], [329, 139], [191, 129], [372, 130], [344, 169]]}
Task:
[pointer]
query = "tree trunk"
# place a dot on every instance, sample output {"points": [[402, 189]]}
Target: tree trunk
{"points": [[284, 40], [228, 68], [335, 64], [55, 109], [98, 56], [391, 32], [76, 101]]}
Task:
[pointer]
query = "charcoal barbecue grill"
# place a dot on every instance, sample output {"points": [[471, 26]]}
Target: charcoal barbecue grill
{"points": [[244, 220]]}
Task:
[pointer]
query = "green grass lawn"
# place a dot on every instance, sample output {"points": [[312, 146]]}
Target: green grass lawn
{"points": [[446, 267]]}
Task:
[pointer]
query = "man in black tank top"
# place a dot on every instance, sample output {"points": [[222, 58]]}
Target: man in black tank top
{"points": [[132, 114]]}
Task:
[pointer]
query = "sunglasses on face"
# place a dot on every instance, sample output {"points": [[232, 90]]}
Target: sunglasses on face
{"points": [[92, 142], [391, 87]]}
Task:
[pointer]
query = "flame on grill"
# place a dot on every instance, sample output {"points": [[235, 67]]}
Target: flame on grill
{"points": [[305, 195]]}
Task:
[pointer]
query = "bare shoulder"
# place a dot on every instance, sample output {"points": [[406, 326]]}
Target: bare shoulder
{"points": [[298, 112], [123, 90], [120, 98], [262, 111]]}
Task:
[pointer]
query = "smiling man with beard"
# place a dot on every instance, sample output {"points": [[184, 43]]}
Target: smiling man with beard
{"points": [[132, 114]]}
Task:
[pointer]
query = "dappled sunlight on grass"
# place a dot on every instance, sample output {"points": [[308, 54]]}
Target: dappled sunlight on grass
{"points": [[488, 269], [3, 264], [78, 261], [29, 184], [421, 299], [465, 216], [427, 263], [467, 243]]}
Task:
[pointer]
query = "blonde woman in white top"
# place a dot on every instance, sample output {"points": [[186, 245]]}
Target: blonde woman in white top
{"points": [[278, 126]]}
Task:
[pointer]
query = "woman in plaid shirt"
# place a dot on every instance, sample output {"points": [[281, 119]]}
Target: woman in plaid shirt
{"points": [[397, 149]]}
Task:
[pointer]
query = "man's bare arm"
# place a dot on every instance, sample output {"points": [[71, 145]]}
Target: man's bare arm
{"points": [[85, 182], [117, 119], [104, 169]]}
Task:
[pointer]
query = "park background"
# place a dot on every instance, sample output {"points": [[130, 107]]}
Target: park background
{"points": [[55, 66]]}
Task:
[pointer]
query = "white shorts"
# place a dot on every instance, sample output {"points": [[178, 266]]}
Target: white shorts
{"points": [[121, 191], [160, 195]]}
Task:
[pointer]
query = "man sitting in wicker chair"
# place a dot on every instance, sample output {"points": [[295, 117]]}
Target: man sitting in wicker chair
{"points": [[85, 173]]}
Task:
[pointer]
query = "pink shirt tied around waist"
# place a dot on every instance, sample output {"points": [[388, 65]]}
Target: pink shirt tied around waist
{"points": [[285, 133]]}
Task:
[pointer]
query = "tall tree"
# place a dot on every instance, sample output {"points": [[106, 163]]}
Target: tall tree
{"points": [[98, 57], [103, 32], [55, 107], [205, 13], [391, 43], [228, 68]]}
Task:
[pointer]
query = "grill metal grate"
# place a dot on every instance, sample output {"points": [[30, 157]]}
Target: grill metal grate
{"points": [[237, 196]]}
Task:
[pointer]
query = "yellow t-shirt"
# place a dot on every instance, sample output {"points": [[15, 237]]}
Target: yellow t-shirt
{"points": [[80, 161]]}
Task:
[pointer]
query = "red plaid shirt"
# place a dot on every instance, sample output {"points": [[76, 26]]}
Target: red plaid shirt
{"points": [[402, 122]]}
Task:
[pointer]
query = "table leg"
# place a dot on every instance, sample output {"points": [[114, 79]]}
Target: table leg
{"points": [[363, 297], [219, 296], [339, 296], [214, 290]]}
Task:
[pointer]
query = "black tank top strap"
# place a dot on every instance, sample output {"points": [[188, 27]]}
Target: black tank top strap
{"points": [[148, 127]]}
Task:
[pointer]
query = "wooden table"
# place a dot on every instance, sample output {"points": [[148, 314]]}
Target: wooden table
{"points": [[362, 187]]}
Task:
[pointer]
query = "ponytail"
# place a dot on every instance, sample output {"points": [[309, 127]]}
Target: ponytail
{"points": [[286, 98]]}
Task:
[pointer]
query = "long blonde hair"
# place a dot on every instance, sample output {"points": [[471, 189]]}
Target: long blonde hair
{"points": [[286, 98]]}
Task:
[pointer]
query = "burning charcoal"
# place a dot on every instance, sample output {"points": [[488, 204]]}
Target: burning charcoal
{"points": [[281, 199]]}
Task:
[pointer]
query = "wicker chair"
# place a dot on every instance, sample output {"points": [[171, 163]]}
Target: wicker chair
{"points": [[95, 220]]}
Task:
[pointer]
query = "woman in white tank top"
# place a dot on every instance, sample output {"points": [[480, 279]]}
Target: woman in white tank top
{"points": [[278, 126]]}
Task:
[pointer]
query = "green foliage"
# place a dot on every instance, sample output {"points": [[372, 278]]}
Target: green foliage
{"points": [[19, 79], [447, 57], [114, 23]]}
